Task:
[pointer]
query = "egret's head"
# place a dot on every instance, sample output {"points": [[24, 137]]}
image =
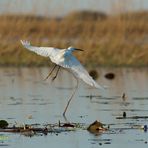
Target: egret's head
{"points": [[74, 49]]}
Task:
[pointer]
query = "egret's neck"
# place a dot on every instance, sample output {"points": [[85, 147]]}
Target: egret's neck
{"points": [[67, 52]]}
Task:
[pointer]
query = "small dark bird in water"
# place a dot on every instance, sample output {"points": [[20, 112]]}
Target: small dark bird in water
{"points": [[124, 97], [110, 76], [124, 114], [145, 128]]}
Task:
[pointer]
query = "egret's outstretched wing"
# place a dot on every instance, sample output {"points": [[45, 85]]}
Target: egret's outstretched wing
{"points": [[74, 66], [43, 51]]}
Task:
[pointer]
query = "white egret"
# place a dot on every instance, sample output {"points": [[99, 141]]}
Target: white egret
{"points": [[64, 58]]}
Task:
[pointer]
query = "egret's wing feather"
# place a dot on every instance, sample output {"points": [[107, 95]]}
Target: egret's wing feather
{"points": [[43, 51], [74, 66]]}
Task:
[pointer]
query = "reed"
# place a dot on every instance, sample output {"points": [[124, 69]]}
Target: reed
{"points": [[119, 40]]}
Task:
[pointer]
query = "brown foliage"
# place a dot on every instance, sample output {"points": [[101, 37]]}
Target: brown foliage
{"points": [[111, 40]]}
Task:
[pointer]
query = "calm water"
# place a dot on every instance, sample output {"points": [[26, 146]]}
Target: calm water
{"points": [[23, 93]]}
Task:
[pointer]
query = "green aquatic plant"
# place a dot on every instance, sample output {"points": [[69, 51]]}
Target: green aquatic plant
{"points": [[3, 124]]}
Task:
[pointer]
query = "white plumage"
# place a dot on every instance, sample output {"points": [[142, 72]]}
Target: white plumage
{"points": [[65, 59]]}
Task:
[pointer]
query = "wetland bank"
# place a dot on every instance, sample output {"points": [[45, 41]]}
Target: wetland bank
{"points": [[107, 40]]}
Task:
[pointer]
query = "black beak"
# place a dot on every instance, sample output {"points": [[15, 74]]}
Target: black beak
{"points": [[79, 49]]}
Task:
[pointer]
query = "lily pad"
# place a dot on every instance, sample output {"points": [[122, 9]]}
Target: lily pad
{"points": [[3, 124]]}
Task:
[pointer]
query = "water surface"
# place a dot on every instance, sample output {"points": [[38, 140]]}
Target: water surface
{"points": [[24, 93]]}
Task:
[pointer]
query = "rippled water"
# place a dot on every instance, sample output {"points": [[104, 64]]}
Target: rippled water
{"points": [[24, 93]]}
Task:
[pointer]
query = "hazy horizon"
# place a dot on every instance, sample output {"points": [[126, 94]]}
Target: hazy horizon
{"points": [[63, 7]]}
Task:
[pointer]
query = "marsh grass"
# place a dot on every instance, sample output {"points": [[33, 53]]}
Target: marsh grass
{"points": [[120, 40]]}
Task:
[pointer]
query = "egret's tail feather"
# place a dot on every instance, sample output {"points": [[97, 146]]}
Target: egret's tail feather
{"points": [[25, 43]]}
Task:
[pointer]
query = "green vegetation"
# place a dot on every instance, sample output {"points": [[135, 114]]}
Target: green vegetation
{"points": [[3, 124], [120, 40]]}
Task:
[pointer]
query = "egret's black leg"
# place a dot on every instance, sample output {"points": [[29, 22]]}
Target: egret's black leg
{"points": [[56, 73], [70, 98], [50, 72]]}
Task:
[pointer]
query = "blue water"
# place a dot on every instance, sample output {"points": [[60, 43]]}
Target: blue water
{"points": [[24, 94]]}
